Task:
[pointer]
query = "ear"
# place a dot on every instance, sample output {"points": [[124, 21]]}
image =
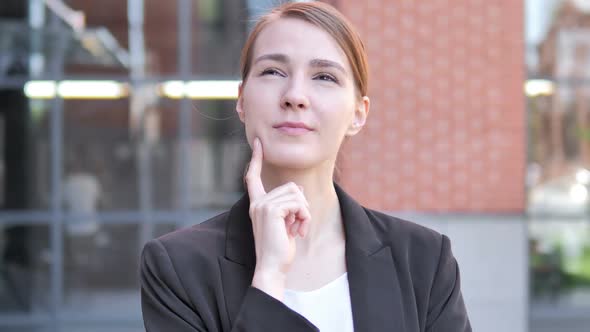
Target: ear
{"points": [[361, 113], [239, 102]]}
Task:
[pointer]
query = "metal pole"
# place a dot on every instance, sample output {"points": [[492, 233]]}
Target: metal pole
{"points": [[184, 116], [135, 15], [138, 104], [56, 137], [36, 23]]}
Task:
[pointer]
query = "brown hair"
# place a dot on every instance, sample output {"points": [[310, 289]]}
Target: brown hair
{"points": [[328, 19]]}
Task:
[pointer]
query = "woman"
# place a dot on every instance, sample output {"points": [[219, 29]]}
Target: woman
{"points": [[296, 253]]}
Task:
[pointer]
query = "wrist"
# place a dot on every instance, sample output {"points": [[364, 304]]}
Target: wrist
{"points": [[270, 281]]}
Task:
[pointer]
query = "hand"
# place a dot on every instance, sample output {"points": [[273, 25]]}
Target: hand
{"points": [[277, 218]]}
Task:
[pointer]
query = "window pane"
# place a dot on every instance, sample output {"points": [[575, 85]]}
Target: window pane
{"points": [[560, 263], [161, 37], [558, 177], [25, 163], [215, 154], [100, 159], [162, 155], [25, 264], [218, 154], [161, 229], [94, 327], [220, 32], [104, 41], [98, 46], [100, 270]]}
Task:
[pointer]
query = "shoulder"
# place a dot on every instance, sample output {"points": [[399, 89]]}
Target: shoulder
{"points": [[414, 247], [404, 233], [199, 243], [423, 257], [206, 233]]}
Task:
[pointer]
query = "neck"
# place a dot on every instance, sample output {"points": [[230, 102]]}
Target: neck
{"points": [[318, 188]]}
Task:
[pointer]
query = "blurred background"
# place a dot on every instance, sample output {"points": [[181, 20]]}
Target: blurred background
{"points": [[117, 125]]}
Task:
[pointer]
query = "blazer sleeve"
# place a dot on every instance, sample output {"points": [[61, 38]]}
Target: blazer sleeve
{"points": [[446, 310], [166, 306], [164, 301], [262, 312]]}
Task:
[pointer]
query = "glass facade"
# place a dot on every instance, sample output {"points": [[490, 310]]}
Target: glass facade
{"points": [[104, 145], [558, 176]]}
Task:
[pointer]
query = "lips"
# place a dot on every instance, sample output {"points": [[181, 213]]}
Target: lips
{"points": [[299, 125], [293, 128]]}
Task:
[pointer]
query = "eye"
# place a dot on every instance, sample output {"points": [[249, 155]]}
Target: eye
{"points": [[326, 77], [271, 71]]}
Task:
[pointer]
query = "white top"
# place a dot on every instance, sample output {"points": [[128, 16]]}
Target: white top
{"points": [[81, 194], [328, 307]]}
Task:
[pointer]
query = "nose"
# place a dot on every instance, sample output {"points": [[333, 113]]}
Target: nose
{"points": [[295, 97]]}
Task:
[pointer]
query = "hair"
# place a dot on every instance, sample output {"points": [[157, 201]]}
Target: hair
{"points": [[325, 17]]}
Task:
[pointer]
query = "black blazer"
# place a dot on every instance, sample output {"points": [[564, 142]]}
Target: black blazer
{"points": [[402, 277]]}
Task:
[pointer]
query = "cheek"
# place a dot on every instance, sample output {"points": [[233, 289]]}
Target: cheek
{"points": [[257, 101], [249, 106], [261, 98], [257, 106], [254, 115], [337, 116]]}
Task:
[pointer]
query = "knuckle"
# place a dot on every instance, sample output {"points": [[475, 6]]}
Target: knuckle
{"points": [[292, 187], [301, 199], [301, 196]]}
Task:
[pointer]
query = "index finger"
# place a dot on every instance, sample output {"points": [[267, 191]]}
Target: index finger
{"points": [[253, 180]]}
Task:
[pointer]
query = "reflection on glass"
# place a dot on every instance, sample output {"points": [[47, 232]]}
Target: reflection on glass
{"points": [[219, 153], [25, 260], [24, 166], [100, 270], [558, 174], [560, 263], [89, 49], [121, 155], [219, 37], [216, 156], [161, 229], [559, 107], [100, 170], [121, 325]]}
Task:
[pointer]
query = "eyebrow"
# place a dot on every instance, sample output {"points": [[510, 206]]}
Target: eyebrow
{"points": [[317, 63]]}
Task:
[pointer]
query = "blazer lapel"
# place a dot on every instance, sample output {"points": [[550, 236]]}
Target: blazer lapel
{"points": [[373, 280], [237, 267], [375, 292]]}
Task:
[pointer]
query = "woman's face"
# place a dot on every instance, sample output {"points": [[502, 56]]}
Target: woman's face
{"points": [[299, 76]]}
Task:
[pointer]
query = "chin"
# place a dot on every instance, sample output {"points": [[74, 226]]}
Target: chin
{"points": [[291, 159]]}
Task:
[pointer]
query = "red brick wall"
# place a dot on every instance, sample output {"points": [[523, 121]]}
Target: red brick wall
{"points": [[446, 131]]}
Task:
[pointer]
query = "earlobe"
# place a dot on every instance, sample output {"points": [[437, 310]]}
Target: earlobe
{"points": [[360, 117], [239, 102], [366, 104]]}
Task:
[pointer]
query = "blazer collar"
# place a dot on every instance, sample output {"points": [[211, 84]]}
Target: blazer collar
{"points": [[373, 278], [360, 234]]}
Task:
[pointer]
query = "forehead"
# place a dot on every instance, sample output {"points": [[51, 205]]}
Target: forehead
{"points": [[300, 41]]}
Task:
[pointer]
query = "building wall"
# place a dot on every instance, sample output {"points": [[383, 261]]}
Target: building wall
{"points": [[446, 131]]}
